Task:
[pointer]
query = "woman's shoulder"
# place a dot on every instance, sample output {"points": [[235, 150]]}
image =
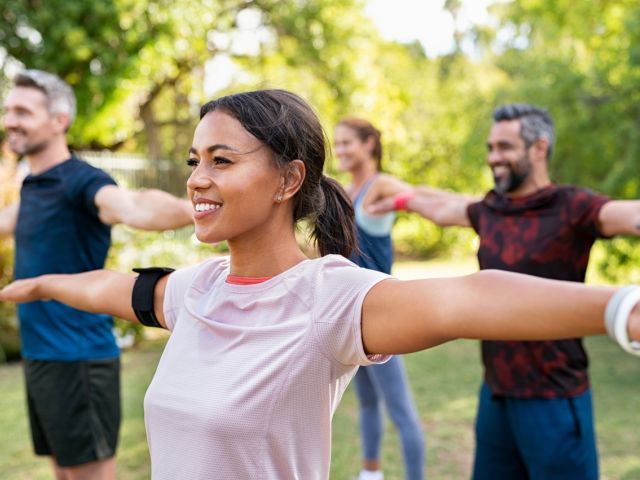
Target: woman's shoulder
{"points": [[335, 271], [387, 183], [384, 178], [330, 262], [203, 273]]}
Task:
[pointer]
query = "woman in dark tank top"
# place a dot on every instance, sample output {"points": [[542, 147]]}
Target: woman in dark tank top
{"points": [[359, 151]]}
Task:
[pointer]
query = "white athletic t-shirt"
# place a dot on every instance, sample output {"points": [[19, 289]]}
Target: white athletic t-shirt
{"points": [[252, 374]]}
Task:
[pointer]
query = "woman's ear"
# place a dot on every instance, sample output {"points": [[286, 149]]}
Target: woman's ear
{"points": [[291, 180], [370, 143]]}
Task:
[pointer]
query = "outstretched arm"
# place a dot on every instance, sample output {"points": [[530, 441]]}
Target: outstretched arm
{"points": [[442, 207], [384, 186], [145, 209], [620, 217], [8, 218], [406, 316], [98, 291]]}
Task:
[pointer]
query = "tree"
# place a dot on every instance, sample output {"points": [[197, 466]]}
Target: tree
{"points": [[137, 66]]}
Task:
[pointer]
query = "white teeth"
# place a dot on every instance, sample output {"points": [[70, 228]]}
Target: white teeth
{"points": [[204, 207]]}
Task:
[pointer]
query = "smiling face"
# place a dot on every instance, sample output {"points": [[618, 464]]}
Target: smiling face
{"points": [[508, 157], [30, 127], [352, 153], [234, 185]]}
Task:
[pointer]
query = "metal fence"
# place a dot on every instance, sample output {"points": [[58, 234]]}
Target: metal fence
{"points": [[136, 171]]}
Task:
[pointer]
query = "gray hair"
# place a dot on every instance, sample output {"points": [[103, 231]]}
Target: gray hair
{"points": [[535, 123], [60, 96]]}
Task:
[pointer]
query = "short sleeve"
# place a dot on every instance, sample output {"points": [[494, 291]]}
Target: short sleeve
{"points": [[473, 212], [198, 279], [341, 288], [584, 210], [85, 181], [174, 294], [93, 184]]}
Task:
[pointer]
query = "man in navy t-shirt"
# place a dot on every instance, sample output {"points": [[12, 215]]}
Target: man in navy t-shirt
{"points": [[535, 417], [62, 225]]}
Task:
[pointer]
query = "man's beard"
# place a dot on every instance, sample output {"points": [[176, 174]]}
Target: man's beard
{"points": [[518, 173], [28, 147]]}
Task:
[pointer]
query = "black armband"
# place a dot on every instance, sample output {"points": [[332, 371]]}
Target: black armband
{"points": [[143, 293]]}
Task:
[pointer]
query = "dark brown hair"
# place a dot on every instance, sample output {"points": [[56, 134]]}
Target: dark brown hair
{"points": [[290, 128], [365, 129]]}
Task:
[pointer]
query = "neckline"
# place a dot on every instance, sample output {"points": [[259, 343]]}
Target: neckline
{"points": [[51, 169], [537, 199], [240, 280], [267, 283]]}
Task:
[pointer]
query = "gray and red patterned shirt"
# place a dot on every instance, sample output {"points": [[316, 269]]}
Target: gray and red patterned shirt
{"points": [[547, 234]]}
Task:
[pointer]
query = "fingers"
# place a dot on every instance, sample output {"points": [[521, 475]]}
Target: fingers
{"points": [[20, 291]]}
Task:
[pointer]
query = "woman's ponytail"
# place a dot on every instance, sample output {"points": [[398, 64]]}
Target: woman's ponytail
{"points": [[334, 227]]}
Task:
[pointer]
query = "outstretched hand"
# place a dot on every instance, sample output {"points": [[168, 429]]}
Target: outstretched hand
{"points": [[21, 291]]}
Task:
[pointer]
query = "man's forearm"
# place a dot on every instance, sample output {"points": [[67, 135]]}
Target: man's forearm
{"points": [[158, 210]]}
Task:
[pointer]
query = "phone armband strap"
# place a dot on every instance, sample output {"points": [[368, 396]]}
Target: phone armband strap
{"points": [[143, 294]]}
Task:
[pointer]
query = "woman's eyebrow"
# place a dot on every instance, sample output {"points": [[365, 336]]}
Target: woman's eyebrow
{"points": [[217, 146]]}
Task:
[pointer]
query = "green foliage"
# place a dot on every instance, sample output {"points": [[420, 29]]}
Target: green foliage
{"points": [[9, 336], [616, 260], [138, 68]]}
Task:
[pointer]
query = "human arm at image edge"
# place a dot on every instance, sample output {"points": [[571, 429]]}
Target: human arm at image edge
{"points": [[406, 316], [97, 291], [620, 217]]}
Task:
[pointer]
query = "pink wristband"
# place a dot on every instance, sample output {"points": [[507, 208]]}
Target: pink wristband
{"points": [[401, 199]]}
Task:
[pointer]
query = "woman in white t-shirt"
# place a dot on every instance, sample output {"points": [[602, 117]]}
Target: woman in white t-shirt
{"points": [[265, 341]]}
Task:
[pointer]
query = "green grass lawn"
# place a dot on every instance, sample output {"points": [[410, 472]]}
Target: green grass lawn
{"points": [[444, 381]]}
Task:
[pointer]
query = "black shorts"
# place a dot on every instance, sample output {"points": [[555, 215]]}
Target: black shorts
{"points": [[74, 409]]}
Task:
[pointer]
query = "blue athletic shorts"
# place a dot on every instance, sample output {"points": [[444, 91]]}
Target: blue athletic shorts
{"points": [[535, 439]]}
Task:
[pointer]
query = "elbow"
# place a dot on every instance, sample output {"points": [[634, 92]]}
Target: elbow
{"points": [[143, 220], [442, 220]]}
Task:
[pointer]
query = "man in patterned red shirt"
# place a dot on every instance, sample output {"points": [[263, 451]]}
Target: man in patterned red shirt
{"points": [[535, 418]]}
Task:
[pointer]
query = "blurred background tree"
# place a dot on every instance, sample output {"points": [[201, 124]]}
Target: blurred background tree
{"points": [[9, 187]]}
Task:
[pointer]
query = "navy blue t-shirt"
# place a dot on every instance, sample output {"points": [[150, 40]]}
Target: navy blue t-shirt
{"points": [[58, 231]]}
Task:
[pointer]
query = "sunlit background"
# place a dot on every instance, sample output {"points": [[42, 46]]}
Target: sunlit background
{"points": [[427, 73]]}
